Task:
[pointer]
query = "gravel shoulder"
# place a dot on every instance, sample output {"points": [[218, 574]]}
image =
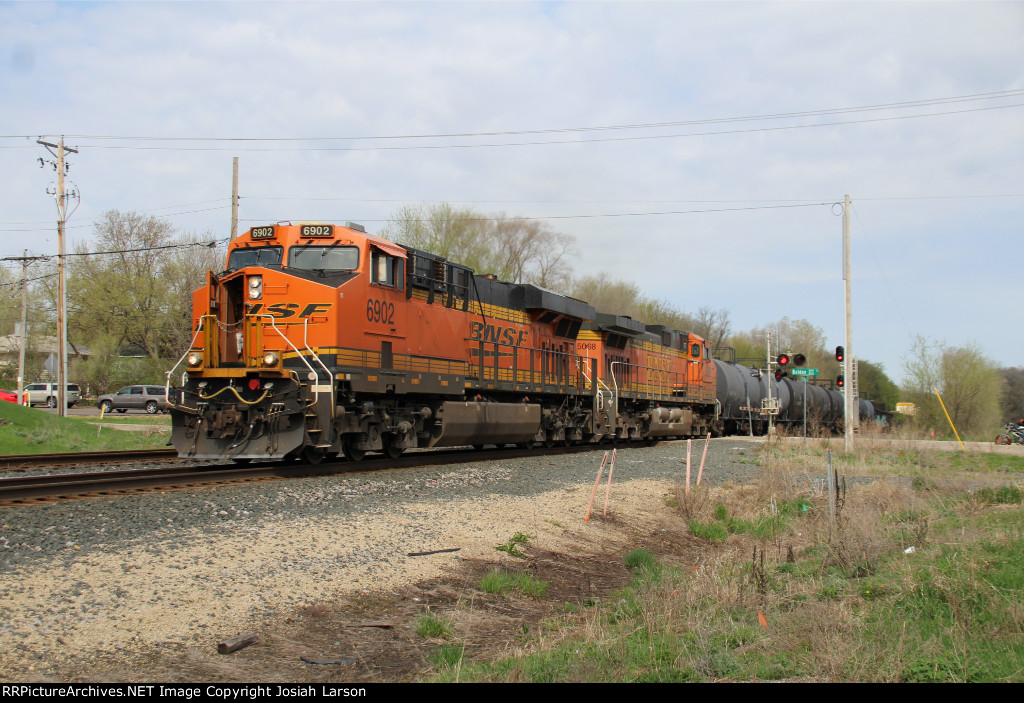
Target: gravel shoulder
{"points": [[101, 589]]}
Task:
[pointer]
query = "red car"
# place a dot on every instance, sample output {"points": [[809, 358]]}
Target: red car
{"points": [[10, 396]]}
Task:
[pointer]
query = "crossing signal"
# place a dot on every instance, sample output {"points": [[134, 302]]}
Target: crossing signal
{"points": [[780, 374], [799, 360], [840, 381], [840, 353], [782, 359]]}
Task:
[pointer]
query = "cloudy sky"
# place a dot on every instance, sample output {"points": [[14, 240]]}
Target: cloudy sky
{"points": [[697, 148]]}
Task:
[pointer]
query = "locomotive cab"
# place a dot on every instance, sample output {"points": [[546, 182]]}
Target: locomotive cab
{"points": [[257, 382]]}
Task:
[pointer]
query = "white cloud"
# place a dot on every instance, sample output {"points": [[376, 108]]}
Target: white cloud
{"points": [[364, 69]]}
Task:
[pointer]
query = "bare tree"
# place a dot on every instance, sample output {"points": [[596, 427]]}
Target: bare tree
{"points": [[712, 325]]}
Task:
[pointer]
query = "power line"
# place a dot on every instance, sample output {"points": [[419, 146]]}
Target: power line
{"points": [[649, 125], [237, 142], [94, 221], [586, 216], [611, 202]]}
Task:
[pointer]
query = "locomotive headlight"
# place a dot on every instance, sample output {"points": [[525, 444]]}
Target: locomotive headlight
{"points": [[194, 359], [255, 287], [270, 359]]}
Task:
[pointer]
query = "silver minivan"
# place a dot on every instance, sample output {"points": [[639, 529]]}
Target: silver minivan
{"points": [[46, 394]]}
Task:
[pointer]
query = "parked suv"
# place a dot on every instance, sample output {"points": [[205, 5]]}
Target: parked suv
{"points": [[152, 399], [46, 394]]}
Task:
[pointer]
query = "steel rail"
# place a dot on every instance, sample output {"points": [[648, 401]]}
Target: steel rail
{"points": [[22, 461], [28, 490]]}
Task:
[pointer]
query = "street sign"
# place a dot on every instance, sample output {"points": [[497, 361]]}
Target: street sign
{"points": [[804, 372]]}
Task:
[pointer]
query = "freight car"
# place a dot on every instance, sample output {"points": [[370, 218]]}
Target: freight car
{"points": [[743, 392], [320, 339]]}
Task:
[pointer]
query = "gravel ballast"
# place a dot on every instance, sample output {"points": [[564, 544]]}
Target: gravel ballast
{"points": [[122, 574]]}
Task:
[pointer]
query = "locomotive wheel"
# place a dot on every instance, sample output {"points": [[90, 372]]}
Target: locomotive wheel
{"points": [[312, 455], [350, 452], [391, 451]]}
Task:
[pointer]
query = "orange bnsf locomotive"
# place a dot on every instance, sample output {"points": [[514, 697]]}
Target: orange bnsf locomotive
{"points": [[320, 340]]}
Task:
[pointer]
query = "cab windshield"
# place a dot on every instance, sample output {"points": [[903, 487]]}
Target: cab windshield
{"points": [[267, 257], [331, 257]]}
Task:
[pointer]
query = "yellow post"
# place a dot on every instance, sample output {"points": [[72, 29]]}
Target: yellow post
{"points": [[948, 418]]}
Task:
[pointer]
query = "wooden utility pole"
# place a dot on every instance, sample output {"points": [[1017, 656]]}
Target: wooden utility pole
{"points": [[234, 197], [62, 308], [848, 406], [24, 328]]}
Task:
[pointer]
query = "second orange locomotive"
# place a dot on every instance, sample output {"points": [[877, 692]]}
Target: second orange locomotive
{"points": [[320, 339]]}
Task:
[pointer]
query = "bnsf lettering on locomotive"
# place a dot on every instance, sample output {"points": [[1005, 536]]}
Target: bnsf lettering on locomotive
{"points": [[283, 311], [495, 333]]}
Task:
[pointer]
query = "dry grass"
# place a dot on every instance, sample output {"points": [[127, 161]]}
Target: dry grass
{"points": [[798, 592]]}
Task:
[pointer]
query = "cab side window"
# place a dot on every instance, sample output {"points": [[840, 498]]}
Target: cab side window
{"points": [[386, 270]]}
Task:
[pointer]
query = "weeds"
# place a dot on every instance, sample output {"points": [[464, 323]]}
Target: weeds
{"points": [[502, 582], [795, 592], [512, 546]]}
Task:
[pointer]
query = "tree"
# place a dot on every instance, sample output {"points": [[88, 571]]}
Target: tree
{"points": [[608, 295], [141, 292], [457, 234], [1012, 404], [971, 389], [876, 386], [712, 325], [796, 336], [969, 383], [513, 249]]}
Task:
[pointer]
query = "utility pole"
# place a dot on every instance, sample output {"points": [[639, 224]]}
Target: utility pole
{"points": [[62, 321], [234, 197], [22, 346], [848, 406], [24, 328]]}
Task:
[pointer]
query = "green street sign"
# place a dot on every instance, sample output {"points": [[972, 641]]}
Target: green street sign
{"points": [[804, 372]]}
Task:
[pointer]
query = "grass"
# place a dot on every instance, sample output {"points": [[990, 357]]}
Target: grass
{"points": [[34, 431], [429, 626], [842, 598], [155, 420], [502, 582]]}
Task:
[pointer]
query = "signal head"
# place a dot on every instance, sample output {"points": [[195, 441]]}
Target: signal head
{"points": [[782, 359], [840, 381], [780, 374], [799, 360], [840, 353]]}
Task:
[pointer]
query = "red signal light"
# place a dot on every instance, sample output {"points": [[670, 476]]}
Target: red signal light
{"points": [[799, 360], [782, 359], [840, 381], [840, 353]]}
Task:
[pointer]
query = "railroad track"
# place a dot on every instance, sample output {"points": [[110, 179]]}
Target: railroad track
{"points": [[38, 489], [31, 461]]}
